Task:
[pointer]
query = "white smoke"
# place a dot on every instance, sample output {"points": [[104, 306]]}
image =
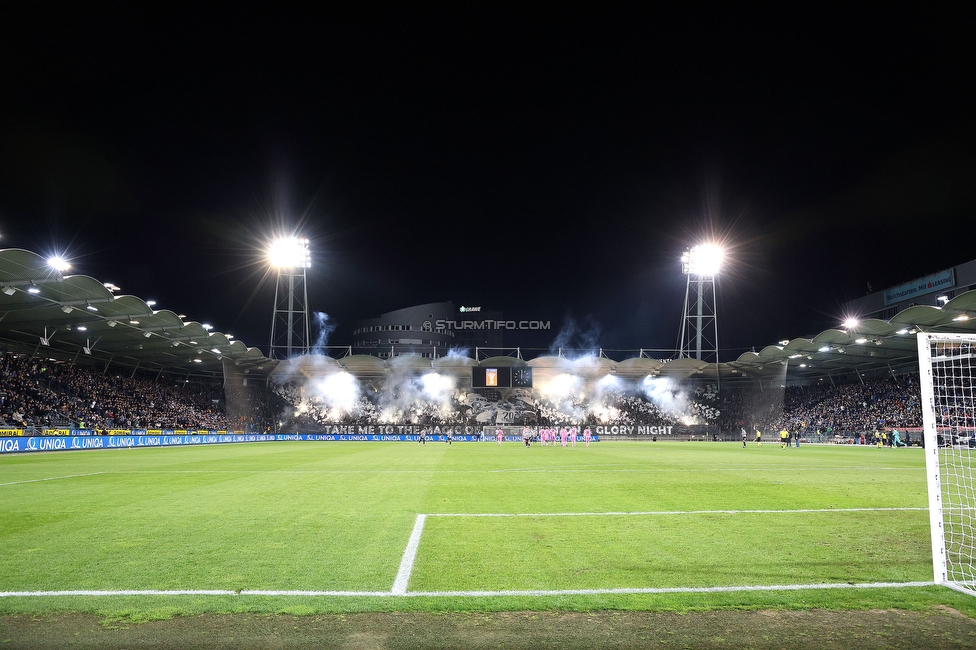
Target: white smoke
{"points": [[606, 392], [324, 327], [339, 392], [411, 397], [668, 396], [573, 337]]}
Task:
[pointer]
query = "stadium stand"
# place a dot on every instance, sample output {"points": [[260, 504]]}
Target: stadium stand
{"points": [[845, 410], [39, 393]]}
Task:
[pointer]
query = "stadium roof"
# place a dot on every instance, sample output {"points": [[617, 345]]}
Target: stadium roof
{"points": [[76, 316], [862, 346]]}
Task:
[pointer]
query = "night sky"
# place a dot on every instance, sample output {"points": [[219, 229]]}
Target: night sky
{"points": [[551, 164]]}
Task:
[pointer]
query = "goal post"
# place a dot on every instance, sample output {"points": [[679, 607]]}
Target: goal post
{"points": [[946, 374]]}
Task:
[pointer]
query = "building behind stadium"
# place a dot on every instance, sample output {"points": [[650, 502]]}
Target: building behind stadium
{"points": [[430, 330]]}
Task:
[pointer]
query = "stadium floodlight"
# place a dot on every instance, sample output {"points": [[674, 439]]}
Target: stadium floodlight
{"points": [[291, 258], [8, 290], [58, 263], [861, 341], [290, 253], [851, 322], [943, 299], [111, 287], [66, 309], [699, 323], [704, 259]]}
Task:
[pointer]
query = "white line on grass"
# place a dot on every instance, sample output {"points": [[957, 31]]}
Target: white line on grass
{"points": [[52, 478], [409, 554], [662, 512], [413, 544], [675, 470], [667, 590], [469, 594]]}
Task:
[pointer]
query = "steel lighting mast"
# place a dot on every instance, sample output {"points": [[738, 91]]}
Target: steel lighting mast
{"points": [[289, 325], [699, 324]]}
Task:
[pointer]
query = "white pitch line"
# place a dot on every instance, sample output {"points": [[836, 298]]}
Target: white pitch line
{"points": [[409, 555], [667, 590], [643, 470], [468, 594], [52, 478], [663, 512]]}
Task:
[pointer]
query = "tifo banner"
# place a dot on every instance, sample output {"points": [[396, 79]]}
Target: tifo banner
{"points": [[67, 443]]}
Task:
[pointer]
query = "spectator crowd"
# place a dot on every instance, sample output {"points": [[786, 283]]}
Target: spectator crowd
{"points": [[41, 393], [845, 410]]}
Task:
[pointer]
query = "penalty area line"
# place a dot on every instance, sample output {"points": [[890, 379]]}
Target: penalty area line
{"points": [[409, 555], [663, 512], [51, 478], [465, 594]]}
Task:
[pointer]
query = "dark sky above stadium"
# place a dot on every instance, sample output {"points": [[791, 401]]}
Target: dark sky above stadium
{"points": [[551, 163]]}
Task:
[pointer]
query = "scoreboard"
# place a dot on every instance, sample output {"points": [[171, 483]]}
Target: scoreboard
{"points": [[501, 377]]}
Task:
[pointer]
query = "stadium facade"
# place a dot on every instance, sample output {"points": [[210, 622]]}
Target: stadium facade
{"points": [[933, 290], [430, 330]]}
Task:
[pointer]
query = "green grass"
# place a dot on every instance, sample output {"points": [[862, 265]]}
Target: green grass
{"points": [[337, 516]]}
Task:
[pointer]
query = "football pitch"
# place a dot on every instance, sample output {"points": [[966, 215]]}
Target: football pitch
{"points": [[355, 527]]}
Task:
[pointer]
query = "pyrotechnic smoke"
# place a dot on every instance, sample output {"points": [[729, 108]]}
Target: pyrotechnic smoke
{"points": [[323, 329], [407, 396], [572, 337], [339, 392], [603, 393], [563, 393], [668, 396]]}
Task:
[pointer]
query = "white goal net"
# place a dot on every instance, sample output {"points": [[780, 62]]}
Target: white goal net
{"points": [[946, 365]]}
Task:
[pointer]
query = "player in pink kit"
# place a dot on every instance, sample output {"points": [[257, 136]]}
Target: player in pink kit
{"points": [[544, 437], [563, 435], [499, 434], [587, 435], [572, 436]]}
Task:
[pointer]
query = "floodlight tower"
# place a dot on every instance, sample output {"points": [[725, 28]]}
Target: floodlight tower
{"points": [[699, 324], [290, 257]]}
